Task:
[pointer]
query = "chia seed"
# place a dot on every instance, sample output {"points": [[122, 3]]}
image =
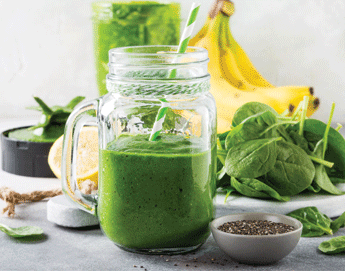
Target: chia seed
{"points": [[255, 227]]}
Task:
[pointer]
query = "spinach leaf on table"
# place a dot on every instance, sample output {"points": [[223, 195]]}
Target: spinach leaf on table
{"points": [[314, 222], [21, 231], [251, 159], [333, 246], [256, 189], [338, 223], [293, 171]]}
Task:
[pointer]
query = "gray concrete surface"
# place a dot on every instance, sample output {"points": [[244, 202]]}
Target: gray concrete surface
{"points": [[88, 249]]}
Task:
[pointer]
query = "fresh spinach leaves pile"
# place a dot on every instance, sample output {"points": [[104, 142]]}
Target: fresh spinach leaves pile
{"points": [[267, 155]]}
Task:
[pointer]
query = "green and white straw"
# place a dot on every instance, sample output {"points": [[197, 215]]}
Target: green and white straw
{"points": [[186, 35]]}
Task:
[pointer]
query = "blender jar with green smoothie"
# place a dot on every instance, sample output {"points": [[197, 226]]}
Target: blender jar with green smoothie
{"points": [[121, 23], [154, 196]]}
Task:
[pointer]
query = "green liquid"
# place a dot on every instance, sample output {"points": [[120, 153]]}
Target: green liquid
{"points": [[156, 194], [119, 24]]}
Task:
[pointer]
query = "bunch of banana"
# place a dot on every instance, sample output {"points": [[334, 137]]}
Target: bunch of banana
{"points": [[234, 79]]}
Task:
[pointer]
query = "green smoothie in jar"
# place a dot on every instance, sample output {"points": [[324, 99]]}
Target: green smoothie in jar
{"points": [[119, 24], [157, 189]]}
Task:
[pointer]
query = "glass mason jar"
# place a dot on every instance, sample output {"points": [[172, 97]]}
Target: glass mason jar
{"points": [[153, 196]]}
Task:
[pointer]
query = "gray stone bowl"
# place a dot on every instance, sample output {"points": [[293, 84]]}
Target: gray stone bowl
{"points": [[257, 249]]}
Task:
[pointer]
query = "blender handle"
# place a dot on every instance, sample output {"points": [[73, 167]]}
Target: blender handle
{"points": [[75, 122]]}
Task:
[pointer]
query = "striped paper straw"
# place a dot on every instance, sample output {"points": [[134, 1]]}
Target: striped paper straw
{"points": [[187, 32], [158, 125]]}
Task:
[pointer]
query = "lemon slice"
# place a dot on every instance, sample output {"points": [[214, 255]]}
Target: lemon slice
{"points": [[87, 156]]}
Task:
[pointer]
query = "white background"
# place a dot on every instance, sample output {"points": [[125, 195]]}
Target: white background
{"points": [[46, 48]]}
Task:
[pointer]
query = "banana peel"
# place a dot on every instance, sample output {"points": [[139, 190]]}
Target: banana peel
{"points": [[234, 79]]}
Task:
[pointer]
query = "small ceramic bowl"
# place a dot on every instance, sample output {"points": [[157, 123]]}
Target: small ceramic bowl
{"points": [[257, 249]]}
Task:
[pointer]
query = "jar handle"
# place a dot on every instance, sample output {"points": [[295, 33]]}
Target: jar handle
{"points": [[75, 122]]}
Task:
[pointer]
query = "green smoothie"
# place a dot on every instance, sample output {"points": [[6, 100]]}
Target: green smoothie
{"points": [[119, 24], [156, 194]]}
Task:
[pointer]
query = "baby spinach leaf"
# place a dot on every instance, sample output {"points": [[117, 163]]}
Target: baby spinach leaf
{"points": [[222, 138], [324, 182], [337, 180], [321, 176], [300, 141], [251, 128], [333, 246], [21, 231], [74, 102], [293, 171], [55, 115], [314, 187], [229, 190], [338, 223], [250, 109], [314, 222], [314, 131], [256, 189], [45, 108], [251, 159]]}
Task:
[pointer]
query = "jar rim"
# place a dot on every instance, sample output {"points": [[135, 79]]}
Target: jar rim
{"points": [[195, 54]]}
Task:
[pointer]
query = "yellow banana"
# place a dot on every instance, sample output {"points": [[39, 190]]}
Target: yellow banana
{"points": [[285, 96], [202, 32], [229, 99], [234, 79], [242, 60], [222, 62]]}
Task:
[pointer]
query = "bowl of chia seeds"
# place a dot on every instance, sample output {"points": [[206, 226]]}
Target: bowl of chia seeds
{"points": [[256, 238]]}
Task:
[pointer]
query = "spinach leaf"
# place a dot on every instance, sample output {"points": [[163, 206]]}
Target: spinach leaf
{"points": [[314, 131], [21, 231], [256, 189], [314, 187], [338, 223], [55, 115], [229, 190], [223, 179], [300, 141], [251, 159], [333, 246], [314, 222], [337, 180], [321, 176], [249, 109], [251, 128], [222, 138], [73, 103], [293, 171]]}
